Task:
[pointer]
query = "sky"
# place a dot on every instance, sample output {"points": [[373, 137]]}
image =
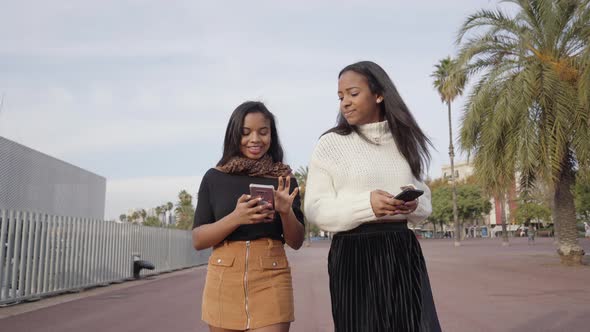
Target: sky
{"points": [[140, 92]]}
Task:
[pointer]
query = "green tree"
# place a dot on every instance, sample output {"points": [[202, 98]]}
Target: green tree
{"points": [[442, 206], [123, 217], [528, 210], [152, 221], [161, 212], [143, 215], [184, 211], [169, 206], [472, 204], [301, 176], [134, 216], [528, 111], [449, 81]]}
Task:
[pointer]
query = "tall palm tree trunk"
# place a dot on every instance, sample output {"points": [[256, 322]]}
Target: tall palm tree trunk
{"points": [[452, 157], [564, 215], [555, 221], [503, 218]]}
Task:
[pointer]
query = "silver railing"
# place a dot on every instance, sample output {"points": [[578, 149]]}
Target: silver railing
{"points": [[43, 254]]}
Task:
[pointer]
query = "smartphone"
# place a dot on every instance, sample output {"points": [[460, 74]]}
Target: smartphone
{"points": [[266, 192], [409, 194]]}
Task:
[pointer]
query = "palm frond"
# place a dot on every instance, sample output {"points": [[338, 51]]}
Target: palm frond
{"points": [[494, 19], [529, 109]]}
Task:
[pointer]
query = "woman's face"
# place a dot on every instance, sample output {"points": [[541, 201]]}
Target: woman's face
{"points": [[357, 103], [255, 136]]}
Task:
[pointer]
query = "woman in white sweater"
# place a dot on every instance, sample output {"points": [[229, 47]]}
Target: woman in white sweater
{"points": [[378, 278]]}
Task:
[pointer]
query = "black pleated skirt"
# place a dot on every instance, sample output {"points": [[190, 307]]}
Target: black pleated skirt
{"points": [[378, 281]]}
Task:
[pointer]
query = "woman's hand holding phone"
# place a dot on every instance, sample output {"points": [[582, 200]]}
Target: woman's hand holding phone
{"points": [[248, 211], [284, 200], [385, 204], [409, 195], [279, 200], [409, 207]]}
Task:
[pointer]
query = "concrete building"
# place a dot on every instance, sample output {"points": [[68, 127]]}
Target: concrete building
{"points": [[33, 181], [462, 171]]}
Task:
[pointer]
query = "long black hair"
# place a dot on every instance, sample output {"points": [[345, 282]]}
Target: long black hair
{"points": [[233, 133], [409, 138]]}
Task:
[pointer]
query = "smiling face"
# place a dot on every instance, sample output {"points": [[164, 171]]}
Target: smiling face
{"points": [[358, 104], [256, 136]]}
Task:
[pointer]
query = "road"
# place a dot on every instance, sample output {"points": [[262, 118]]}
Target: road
{"points": [[480, 286]]}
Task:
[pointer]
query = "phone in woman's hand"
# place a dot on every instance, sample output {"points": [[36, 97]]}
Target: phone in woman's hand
{"points": [[409, 194], [266, 192]]}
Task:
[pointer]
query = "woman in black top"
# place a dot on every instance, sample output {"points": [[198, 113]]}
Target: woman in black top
{"points": [[248, 285]]}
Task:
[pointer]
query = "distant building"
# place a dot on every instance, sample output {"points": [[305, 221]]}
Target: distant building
{"points": [[33, 181], [161, 217], [463, 170], [170, 218]]}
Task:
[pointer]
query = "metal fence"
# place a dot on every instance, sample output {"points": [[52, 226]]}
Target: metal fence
{"points": [[43, 254]]}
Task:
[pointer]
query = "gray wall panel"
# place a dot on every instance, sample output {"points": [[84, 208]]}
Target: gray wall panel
{"points": [[33, 181]]}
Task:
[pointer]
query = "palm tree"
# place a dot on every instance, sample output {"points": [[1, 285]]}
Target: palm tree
{"points": [[529, 110], [301, 176], [134, 216], [449, 81], [169, 206], [184, 210], [159, 211], [493, 163], [143, 215]]}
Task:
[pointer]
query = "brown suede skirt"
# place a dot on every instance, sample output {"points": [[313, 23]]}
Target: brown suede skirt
{"points": [[248, 285]]}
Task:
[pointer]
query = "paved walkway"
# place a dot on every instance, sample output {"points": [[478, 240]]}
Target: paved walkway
{"points": [[480, 286]]}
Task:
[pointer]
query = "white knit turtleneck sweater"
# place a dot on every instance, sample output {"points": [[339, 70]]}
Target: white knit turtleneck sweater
{"points": [[343, 171]]}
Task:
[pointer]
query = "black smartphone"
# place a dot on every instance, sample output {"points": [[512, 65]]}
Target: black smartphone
{"points": [[409, 194]]}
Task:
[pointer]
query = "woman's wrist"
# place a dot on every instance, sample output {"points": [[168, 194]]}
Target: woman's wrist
{"points": [[285, 214], [233, 220]]}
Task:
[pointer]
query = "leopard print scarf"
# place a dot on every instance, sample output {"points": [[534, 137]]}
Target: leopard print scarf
{"points": [[263, 167]]}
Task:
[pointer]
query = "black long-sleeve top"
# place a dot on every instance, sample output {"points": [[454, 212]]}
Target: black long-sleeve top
{"points": [[218, 196]]}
